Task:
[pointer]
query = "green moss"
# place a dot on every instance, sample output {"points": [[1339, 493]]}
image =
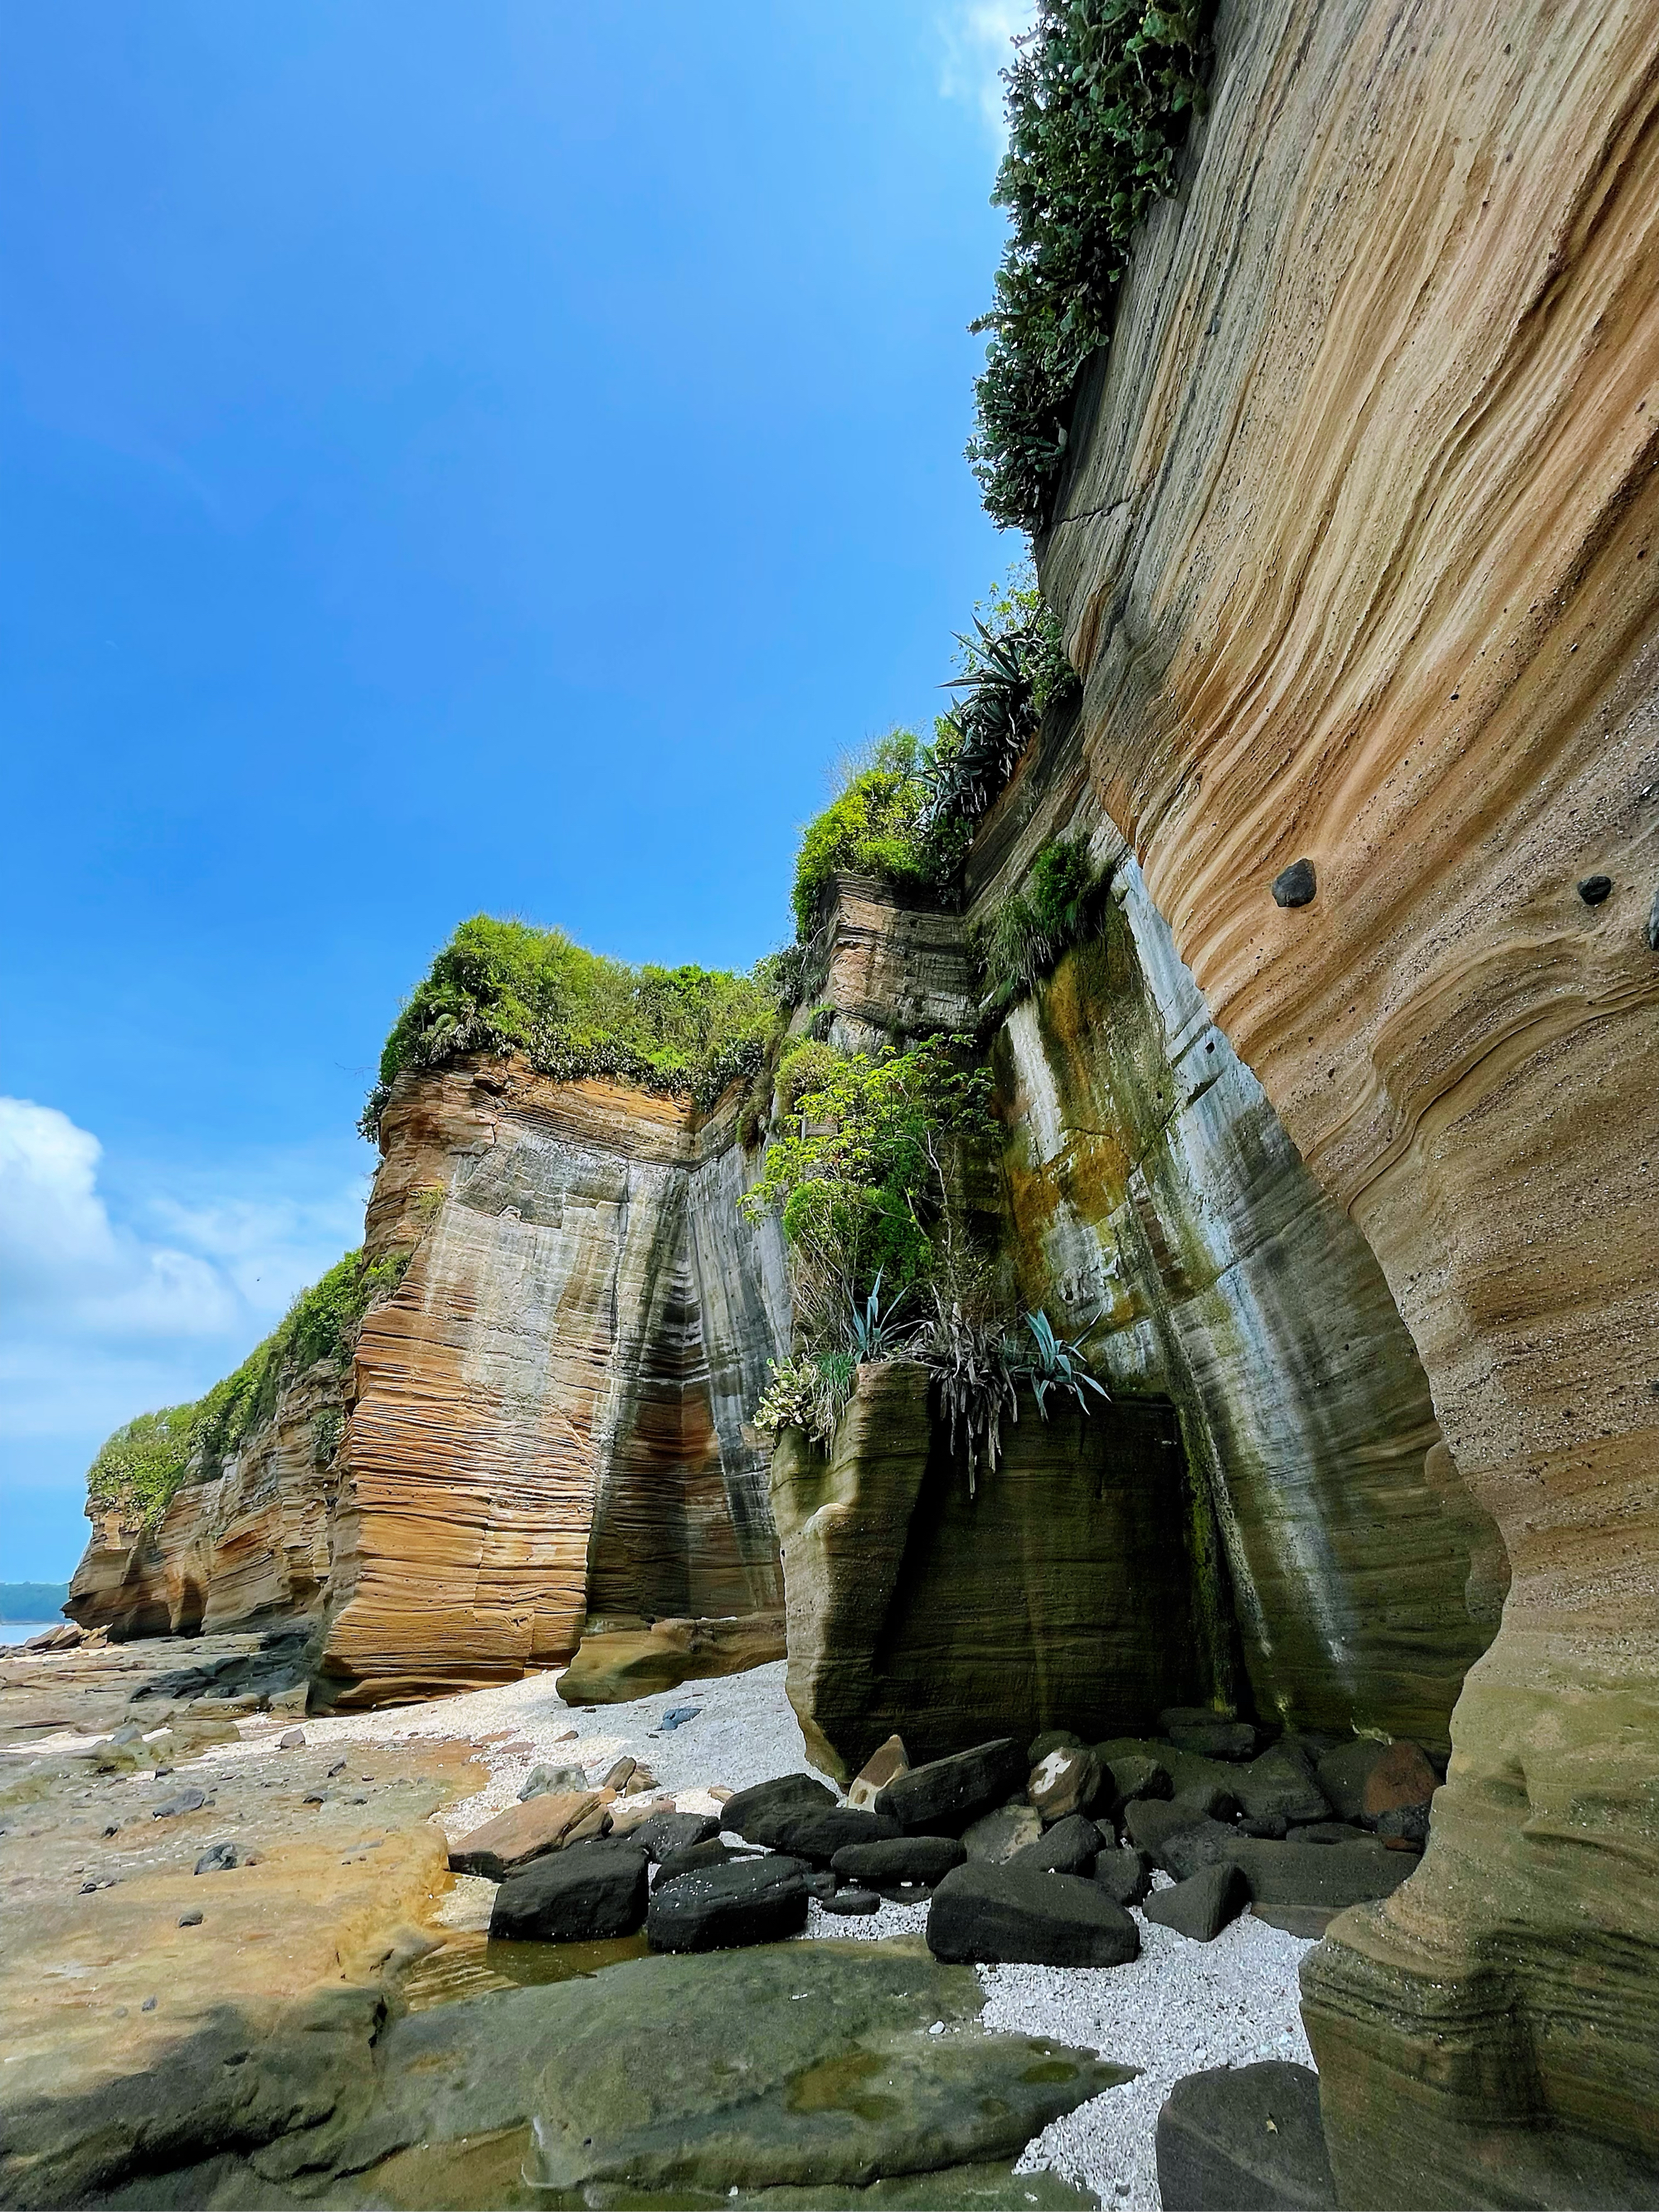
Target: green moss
{"points": [[504, 986], [143, 1466]]}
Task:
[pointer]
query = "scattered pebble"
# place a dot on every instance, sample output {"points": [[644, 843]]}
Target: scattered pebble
{"points": [[191, 1919], [148, 2005]]}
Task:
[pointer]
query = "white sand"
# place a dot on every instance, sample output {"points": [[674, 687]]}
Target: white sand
{"points": [[1179, 2007]]}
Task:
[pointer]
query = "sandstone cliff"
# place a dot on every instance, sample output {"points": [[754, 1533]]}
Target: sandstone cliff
{"points": [[1357, 559], [549, 1414]]}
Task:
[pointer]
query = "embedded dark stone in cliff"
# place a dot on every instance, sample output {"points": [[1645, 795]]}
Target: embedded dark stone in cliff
{"points": [[1595, 890], [1296, 885]]}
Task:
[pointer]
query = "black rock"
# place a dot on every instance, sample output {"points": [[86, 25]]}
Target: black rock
{"points": [[750, 1811], [1593, 889], [1202, 1906], [1329, 1832], [1653, 925], [187, 1801], [665, 1833], [1016, 1913], [696, 1857], [219, 1860], [1207, 1734], [817, 1836], [1051, 1740], [1244, 2139], [1272, 1824], [903, 1893], [1296, 885], [1281, 1783], [925, 1859], [1203, 1844], [725, 1907], [852, 1902], [948, 1795], [1406, 1826], [1150, 1821], [1206, 1800], [821, 1885], [1125, 1875], [1069, 1847], [581, 1894], [1132, 1777]]}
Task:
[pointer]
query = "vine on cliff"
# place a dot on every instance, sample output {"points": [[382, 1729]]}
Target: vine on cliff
{"points": [[1100, 97]]}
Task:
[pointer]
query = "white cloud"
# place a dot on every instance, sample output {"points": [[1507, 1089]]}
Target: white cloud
{"points": [[977, 37], [104, 1317]]}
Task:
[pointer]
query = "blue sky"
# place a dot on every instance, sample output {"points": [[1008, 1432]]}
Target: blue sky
{"points": [[454, 456]]}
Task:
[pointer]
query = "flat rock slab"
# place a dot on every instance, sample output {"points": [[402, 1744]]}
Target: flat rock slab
{"points": [[523, 1832], [1244, 2139], [905, 1858], [817, 1836], [1011, 1914], [811, 2067]]}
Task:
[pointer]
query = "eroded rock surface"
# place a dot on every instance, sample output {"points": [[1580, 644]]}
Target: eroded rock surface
{"points": [[1356, 560]]}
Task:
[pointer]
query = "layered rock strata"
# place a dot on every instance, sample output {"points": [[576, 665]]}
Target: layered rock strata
{"points": [[1300, 1543], [246, 1542], [1059, 1593], [1357, 559], [550, 1413]]}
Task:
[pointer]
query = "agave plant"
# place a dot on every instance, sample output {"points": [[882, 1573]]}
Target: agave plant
{"points": [[873, 1329], [968, 1359], [1057, 1363]]}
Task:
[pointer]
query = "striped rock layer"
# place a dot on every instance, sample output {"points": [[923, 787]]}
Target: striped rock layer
{"points": [[1356, 557]]}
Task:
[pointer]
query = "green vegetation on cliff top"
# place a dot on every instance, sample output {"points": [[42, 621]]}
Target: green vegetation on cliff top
{"points": [[505, 985], [1100, 98], [141, 1467]]}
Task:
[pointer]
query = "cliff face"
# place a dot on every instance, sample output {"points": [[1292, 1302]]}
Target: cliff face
{"points": [[1357, 559], [1265, 1513], [252, 1543], [548, 1415]]}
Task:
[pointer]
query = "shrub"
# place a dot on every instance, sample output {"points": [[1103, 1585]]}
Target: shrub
{"points": [[143, 1466], [1013, 668], [863, 1198], [874, 827], [1023, 940], [500, 986], [1099, 100]]}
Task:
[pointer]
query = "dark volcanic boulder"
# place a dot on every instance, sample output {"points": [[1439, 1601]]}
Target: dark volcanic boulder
{"points": [[751, 1810], [1133, 1775], [1202, 1906], [1069, 1847], [947, 1795], [1125, 1875], [1151, 1822], [1343, 1772], [1281, 1785], [579, 1895], [712, 1853], [1206, 1733], [666, 1832], [817, 1836], [1405, 1828], [852, 1902], [1204, 1843], [1012, 1913], [1065, 1780], [1244, 2139], [723, 1908], [904, 1859]]}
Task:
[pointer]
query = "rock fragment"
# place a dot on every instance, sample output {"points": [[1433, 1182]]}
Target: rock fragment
{"points": [[945, 1796], [528, 1832], [721, 1908], [817, 1836], [984, 1914], [1065, 1780], [1202, 1905], [1125, 1875], [585, 1895], [749, 1813], [995, 1839], [883, 1765], [925, 1859], [1069, 1847], [1245, 2136]]}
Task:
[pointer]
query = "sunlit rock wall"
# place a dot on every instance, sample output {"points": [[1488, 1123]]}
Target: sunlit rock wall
{"points": [[1357, 559], [548, 1416]]}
